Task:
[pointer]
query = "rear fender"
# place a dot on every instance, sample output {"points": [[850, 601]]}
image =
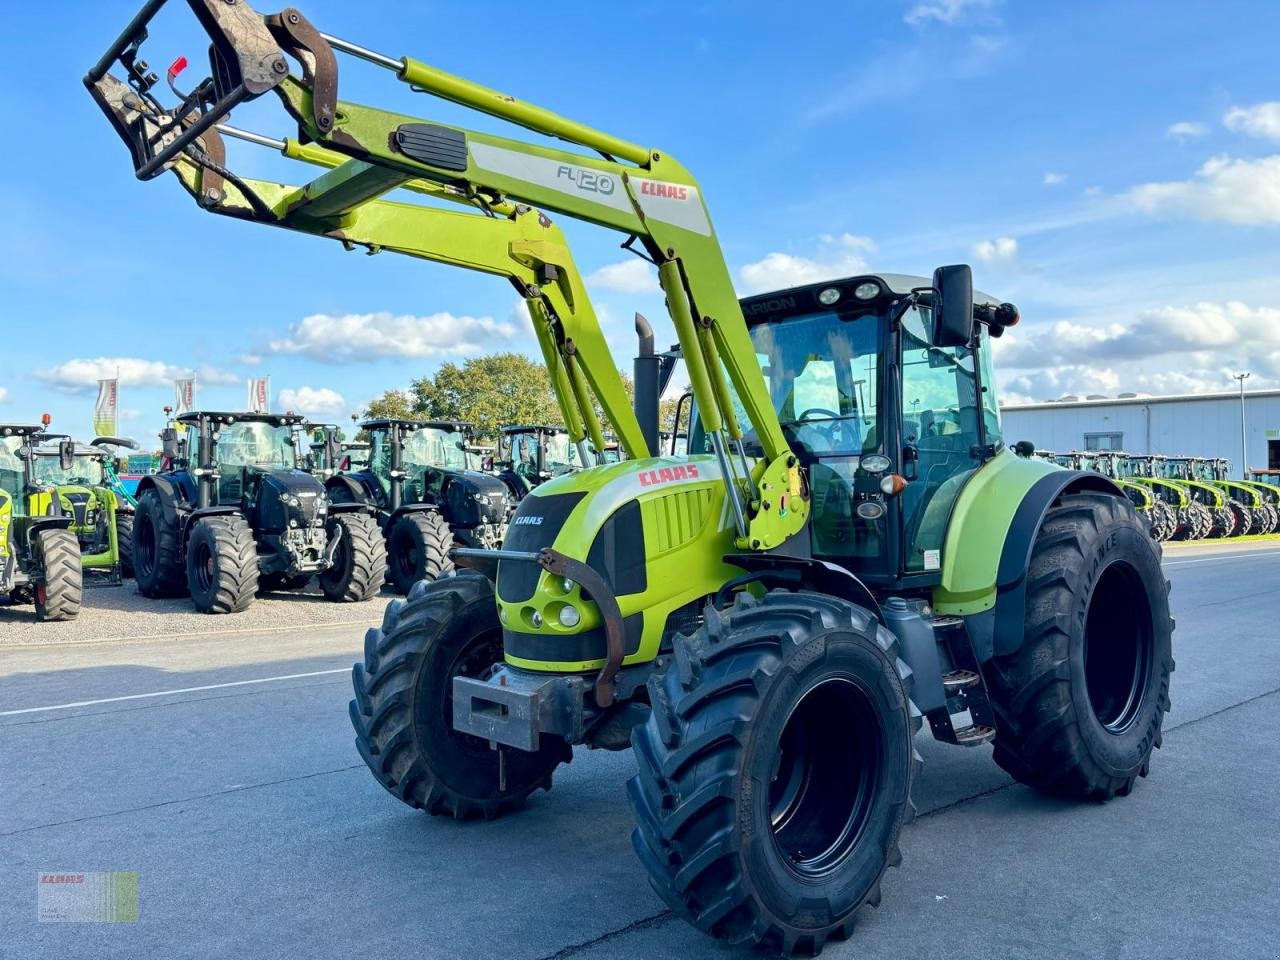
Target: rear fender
{"points": [[1003, 633]]}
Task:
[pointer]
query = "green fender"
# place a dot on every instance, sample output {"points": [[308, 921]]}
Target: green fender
{"points": [[993, 525]]}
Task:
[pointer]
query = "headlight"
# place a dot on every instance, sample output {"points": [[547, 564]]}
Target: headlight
{"points": [[569, 616], [875, 463]]}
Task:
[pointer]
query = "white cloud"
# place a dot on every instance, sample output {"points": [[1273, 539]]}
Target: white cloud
{"points": [[1186, 130], [999, 250], [1204, 331], [1260, 120], [944, 11], [4, 394], [82, 376], [360, 337], [1092, 191], [629, 276], [1233, 190], [250, 359], [836, 257], [312, 401], [1052, 179]]}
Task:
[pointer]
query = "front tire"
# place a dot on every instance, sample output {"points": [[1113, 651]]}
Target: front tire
{"points": [[360, 562], [157, 565], [403, 707], [222, 564], [418, 547], [1079, 706], [775, 770], [124, 541], [58, 596]]}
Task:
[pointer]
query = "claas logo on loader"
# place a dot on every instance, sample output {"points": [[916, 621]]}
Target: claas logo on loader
{"points": [[653, 478], [672, 191]]}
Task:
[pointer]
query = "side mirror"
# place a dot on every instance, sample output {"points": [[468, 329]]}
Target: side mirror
{"points": [[486, 464], [169, 443], [67, 454], [953, 306]]}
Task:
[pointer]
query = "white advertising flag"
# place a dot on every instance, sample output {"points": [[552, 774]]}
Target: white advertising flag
{"points": [[259, 395], [185, 395], [104, 411]]}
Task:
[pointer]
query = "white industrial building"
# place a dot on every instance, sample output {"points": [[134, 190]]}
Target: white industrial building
{"points": [[1198, 425]]}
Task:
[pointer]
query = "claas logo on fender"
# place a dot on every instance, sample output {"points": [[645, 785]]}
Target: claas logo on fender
{"points": [[653, 478]]}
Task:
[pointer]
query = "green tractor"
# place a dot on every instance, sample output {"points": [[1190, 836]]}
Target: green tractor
{"points": [[848, 550], [1161, 518], [532, 454], [102, 513], [1195, 520], [1268, 494], [39, 551], [1231, 518], [1254, 514]]}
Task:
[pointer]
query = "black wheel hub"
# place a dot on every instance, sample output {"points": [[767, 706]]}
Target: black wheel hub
{"points": [[1117, 647], [825, 777]]}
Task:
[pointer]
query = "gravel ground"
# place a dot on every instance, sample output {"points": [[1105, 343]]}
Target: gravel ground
{"points": [[115, 613]]}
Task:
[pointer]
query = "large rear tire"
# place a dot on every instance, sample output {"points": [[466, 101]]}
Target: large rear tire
{"points": [[157, 564], [418, 545], [403, 707], [1244, 518], [222, 564], [360, 562], [1079, 706], [58, 595], [124, 541], [775, 770]]}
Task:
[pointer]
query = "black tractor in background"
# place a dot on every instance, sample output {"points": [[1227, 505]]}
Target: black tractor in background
{"points": [[231, 513], [531, 454], [422, 480]]}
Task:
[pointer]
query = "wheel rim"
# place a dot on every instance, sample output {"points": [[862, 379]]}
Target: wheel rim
{"points": [[204, 566], [405, 557], [1117, 647], [825, 777], [475, 660]]}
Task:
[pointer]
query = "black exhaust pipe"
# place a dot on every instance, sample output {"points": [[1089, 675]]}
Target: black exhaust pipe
{"points": [[646, 385]]}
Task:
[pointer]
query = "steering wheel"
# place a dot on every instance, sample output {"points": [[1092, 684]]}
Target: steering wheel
{"points": [[830, 413]]}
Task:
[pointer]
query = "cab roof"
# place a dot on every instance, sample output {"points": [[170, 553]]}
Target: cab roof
{"points": [[384, 422], [275, 419], [527, 427], [20, 430]]}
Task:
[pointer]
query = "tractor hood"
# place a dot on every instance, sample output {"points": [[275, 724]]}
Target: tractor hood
{"points": [[656, 530], [290, 498]]}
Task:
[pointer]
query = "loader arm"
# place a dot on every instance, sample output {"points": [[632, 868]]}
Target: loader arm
{"points": [[637, 191]]}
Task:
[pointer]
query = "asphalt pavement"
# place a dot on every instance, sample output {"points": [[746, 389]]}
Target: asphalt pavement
{"points": [[220, 768]]}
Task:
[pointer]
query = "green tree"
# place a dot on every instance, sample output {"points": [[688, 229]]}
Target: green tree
{"points": [[487, 392], [394, 404]]}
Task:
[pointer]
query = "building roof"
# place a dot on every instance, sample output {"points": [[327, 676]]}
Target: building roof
{"points": [[1139, 401]]}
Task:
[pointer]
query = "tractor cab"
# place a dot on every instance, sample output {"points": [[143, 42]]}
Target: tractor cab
{"points": [[535, 453], [890, 414]]}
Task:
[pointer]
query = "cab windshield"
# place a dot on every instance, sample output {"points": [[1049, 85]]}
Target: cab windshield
{"points": [[433, 447], [262, 445], [85, 471], [823, 374]]}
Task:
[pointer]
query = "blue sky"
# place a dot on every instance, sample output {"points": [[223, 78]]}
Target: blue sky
{"points": [[1114, 169]]}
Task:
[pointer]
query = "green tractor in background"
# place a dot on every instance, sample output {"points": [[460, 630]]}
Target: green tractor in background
{"points": [[1160, 516], [323, 452], [1268, 493], [1196, 520], [39, 552], [532, 454], [1254, 513], [1231, 518], [849, 549], [101, 512]]}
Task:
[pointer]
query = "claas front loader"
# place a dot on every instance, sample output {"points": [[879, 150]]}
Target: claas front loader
{"points": [[848, 549]]}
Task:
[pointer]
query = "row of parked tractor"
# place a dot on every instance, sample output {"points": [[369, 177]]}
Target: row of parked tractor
{"points": [[1184, 498], [250, 502]]}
